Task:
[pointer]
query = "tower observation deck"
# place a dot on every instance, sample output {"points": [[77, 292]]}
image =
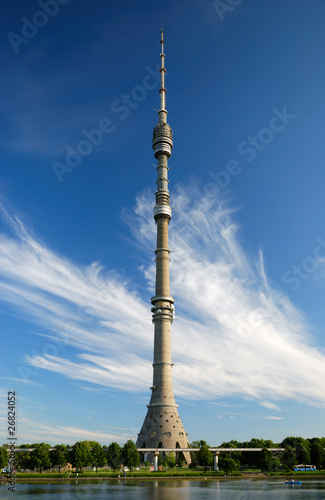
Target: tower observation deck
{"points": [[162, 426]]}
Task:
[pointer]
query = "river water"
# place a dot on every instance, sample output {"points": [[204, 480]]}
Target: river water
{"points": [[173, 489]]}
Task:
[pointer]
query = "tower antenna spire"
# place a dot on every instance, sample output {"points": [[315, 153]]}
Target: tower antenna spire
{"points": [[162, 426], [162, 113]]}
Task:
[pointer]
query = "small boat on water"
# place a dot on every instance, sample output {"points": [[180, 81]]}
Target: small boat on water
{"points": [[292, 481]]}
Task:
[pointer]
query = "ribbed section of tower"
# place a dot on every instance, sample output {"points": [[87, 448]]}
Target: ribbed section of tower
{"points": [[162, 427]]}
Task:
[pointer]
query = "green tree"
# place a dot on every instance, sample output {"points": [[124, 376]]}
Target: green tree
{"points": [[59, 456], [289, 441], [236, 455], [302, 451], [204, 456], [272, 464], [317, 452], [130, 455], [268, 461], [114, 456], [288, 457], [194, 463], [23, 458], [301, 448], [146, 465], [81, 454], [171, 460], [254, 458], [40, 456], [195, 444], [4, 456], [228, 465], [269, 444], [98, 455]]}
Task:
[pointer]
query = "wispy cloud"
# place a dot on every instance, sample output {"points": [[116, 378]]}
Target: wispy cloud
{"points": [[270, 406], [274, 418], [34, 431], [233, 334]]}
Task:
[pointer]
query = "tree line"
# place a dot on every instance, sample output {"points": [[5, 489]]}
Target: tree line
{"points": [[297, 450], [82, 454]]}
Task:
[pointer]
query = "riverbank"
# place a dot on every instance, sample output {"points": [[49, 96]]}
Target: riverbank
{"points": [[160, 476]]}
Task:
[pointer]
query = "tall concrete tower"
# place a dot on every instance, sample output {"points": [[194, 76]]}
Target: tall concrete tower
{"points": [[162, 427]]}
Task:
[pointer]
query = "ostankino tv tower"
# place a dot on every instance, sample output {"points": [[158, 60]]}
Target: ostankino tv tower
{"points": [[162, 427]]}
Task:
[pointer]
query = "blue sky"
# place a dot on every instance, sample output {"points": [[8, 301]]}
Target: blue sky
{"points": [[245, 96]]}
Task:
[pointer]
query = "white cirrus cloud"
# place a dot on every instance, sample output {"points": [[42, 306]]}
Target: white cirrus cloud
{"points": [[34, 431], [269, 405], [234, 335]]}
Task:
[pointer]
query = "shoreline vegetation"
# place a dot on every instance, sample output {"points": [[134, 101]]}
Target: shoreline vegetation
{"points": [[163, 475], [257, 458]]}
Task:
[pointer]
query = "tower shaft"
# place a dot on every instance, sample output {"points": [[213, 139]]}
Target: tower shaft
{"points": [[162, 427]]}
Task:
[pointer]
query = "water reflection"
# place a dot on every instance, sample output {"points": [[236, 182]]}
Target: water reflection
{"points": [[172, 489]]}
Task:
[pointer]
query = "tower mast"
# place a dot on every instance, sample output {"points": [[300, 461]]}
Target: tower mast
{"points": [[162, 427]]}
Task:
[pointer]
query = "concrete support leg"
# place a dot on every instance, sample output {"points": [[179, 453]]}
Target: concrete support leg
{"points": [[216, 461], [155, 461]]}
